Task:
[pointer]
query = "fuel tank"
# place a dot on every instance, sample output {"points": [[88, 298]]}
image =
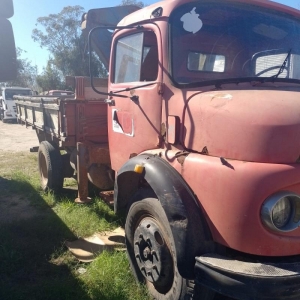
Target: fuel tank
{"points": [[260, 124]]}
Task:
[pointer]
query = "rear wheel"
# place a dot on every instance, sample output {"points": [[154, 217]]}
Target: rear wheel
{"points": [[151, 251], [50, 166]]}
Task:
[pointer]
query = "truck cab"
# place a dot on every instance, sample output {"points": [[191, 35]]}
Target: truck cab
{"points": [[198, 134], [8, 110], [203, 129]]}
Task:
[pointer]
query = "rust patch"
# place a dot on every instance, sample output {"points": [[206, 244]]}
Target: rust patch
{"points": [[181, 159], [160, 88], [226, 163], [107, 197], [163, 129], [222, 96], [132, 155], [204, 151], [181, 156]]}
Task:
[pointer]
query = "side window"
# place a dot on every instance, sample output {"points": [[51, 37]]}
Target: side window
{"points": [[136, 58], [277, 62], [269, 65]]}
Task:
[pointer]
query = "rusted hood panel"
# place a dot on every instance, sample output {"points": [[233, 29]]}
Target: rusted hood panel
{"points": [[260, 125]]}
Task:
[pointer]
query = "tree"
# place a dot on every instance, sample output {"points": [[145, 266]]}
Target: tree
{"points": [[62, 37], [133, 2], [50, 79], [26, 73]]}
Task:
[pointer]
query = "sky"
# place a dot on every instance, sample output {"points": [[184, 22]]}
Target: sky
{"points": [[28, 11]]}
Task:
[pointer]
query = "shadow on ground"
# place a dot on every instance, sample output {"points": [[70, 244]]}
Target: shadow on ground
{"points": [[31, 237]]}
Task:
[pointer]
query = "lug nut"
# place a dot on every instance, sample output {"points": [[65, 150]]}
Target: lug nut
{"points": [[138, 256], [155, 268], [153, 253]]}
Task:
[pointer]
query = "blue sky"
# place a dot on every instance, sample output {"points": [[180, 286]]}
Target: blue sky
{"points": [[27, 12]]}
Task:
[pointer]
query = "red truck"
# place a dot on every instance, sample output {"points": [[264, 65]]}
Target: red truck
{"points": [[197, 129]]}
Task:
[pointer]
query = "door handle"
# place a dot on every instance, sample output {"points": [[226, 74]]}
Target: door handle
{"points": [[110, 102]]}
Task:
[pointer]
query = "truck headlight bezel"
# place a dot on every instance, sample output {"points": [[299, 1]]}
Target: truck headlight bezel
{"points": [[283, 202]]}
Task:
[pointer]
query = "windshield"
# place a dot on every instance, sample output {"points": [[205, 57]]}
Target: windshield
{"points": [[10, 93], [219, 41]]}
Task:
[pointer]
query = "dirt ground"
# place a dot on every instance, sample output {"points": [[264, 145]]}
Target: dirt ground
{"points": [[16, 138]]}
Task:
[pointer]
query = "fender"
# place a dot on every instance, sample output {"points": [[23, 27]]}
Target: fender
{"points": [[190, 231]]}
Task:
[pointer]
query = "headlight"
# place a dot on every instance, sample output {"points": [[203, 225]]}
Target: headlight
{"points": [[280, 212]]}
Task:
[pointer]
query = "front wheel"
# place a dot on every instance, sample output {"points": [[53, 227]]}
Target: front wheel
{"points": [[151, 251]]}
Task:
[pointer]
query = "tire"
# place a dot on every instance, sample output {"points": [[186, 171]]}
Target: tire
{"points": [[151, 252], [50, 167]]}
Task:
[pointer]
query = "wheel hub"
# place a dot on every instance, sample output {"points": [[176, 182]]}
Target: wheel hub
{"points": [[152, 254]]}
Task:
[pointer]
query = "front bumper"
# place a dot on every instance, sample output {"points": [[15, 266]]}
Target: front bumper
{"points": [[8, 115], [247, 280]]}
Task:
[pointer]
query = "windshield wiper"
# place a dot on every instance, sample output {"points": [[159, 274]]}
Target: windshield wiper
{"points": [[283, 65], [219, 82]]}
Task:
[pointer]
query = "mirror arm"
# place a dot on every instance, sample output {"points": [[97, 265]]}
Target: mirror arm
{"points": [[135, 87], [90, 57]]}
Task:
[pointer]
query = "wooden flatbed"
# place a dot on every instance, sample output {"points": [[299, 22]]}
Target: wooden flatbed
{"points": [[77, 125]]}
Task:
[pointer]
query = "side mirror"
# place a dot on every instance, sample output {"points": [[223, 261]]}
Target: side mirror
{"points": [[8, 60], [6, 9]]}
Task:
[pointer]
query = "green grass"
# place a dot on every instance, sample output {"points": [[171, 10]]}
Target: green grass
{"points": [[34, 226], [86, 220], [111, 268]]}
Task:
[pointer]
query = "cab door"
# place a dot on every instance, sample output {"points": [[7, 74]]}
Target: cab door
{"points": [[134, 120]]}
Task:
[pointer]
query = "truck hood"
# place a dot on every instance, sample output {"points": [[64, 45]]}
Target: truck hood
{"points": [[259, 125]]}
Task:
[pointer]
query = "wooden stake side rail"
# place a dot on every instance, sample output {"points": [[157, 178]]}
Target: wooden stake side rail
{"points": [[68, 120]]}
